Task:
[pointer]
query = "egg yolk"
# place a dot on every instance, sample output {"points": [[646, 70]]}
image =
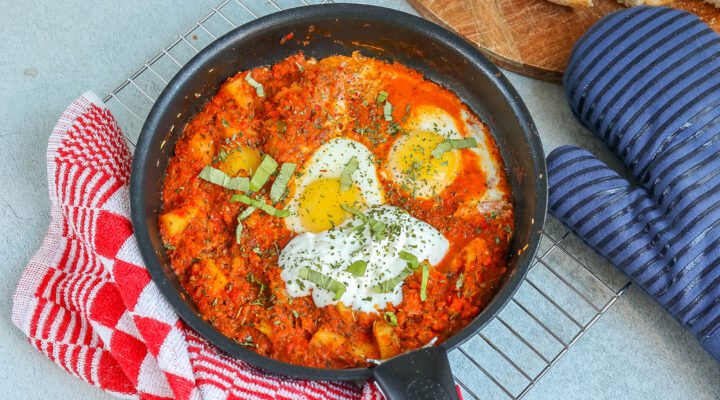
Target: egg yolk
{"points": [[320, 205], [413, 167], [243, 159]]}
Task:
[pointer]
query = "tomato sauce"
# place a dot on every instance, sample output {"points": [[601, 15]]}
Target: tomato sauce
{"points": [[237, 286]]}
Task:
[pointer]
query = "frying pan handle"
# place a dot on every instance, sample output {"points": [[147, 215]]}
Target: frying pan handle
{"points": [[417, 375]]}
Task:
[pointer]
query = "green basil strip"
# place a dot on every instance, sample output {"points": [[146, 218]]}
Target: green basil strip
{"points": [[357, 268], [411, 259], [278, 187], [238, 232], [382, 96], [450, 144], [214, 175], [390, 284], [246, 213], [267, 208], [353, 211], [265, 169], [424, 282], [376, 227], [390, 318], [259, 90], [239, 229], [387, 111], [346, 174], [322, 281]]}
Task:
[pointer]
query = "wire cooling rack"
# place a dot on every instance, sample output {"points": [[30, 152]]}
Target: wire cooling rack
{"points": [[567, 289]]}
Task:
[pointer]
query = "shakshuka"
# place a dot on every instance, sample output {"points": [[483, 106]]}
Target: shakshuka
{"points": [[327, 212]]}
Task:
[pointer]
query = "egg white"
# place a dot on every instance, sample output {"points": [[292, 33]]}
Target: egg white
{"points": [[328, 161], [332, 251]]}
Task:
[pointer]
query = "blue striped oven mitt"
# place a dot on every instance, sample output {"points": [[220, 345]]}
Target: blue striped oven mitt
{"points": [[646, 80]]}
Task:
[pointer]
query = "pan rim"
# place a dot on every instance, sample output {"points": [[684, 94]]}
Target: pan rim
{"points": [[348, 11]]}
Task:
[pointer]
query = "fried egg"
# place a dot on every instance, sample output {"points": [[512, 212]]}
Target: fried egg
{"points": [[317, 198], [410, 163], [333, 251]]}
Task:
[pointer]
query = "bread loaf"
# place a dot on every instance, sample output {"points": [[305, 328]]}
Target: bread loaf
{"points": [[574, 3], [631, 3]]}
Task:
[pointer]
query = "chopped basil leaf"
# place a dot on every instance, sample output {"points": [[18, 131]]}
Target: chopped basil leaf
{"points": [[262, 174], [214, 175], [322, 281], [390, 318], [387, 111], [390, 284], [357, 268], [246, 213], [424, 282], [278, 187], [346, 174], [259, 90], [382, 96], [239, 229], [410, 258], [238, 232], [450, 144], [267, 208], [299, 67], [353, 211], [168, 246], [225, 123], [376, 227]]}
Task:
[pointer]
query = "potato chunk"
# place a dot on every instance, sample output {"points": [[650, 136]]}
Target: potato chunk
{"points": [[328, 339], [364, 350], [212, 278], [244, 159], [265, 327], [345, 312], [387, 340], [240, 91], [174, 222], [201, 147]]}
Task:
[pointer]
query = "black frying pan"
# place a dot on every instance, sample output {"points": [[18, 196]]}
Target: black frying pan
{"points": [[341, 29]]}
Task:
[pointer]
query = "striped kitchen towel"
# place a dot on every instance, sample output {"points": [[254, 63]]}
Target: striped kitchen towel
{"points": [[87, 302], [646, 80]]}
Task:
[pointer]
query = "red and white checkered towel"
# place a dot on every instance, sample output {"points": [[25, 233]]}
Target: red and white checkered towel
{"points": [[86, 301]]}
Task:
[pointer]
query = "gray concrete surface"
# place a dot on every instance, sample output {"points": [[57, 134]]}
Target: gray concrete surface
{"points": [[53, 51]]}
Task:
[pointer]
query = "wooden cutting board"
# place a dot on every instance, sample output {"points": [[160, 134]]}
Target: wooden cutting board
{"points": [[532, 37]]}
